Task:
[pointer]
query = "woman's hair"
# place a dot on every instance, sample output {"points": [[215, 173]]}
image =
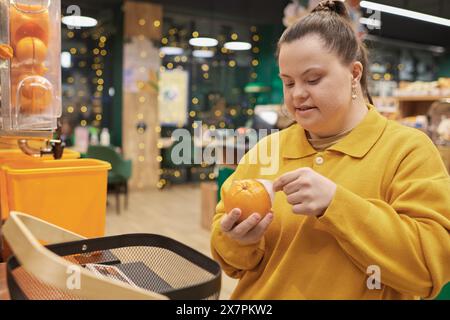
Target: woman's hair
{"points": [[331, 21]]}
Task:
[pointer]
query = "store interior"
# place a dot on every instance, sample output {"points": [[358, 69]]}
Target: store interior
{"points": [[135, 80]]}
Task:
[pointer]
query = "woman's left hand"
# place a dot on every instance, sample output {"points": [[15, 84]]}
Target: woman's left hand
{"points": [[307, 191]]}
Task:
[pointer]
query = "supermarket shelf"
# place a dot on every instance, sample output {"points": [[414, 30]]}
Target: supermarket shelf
{"points": [[421, 98], [414, 98]]}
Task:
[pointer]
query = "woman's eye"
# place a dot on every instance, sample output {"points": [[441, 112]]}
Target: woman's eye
{"points": [[314, 81], [289, 84]]}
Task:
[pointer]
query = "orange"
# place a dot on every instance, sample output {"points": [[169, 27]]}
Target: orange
{"points": [[35, 94], [6, 52], [31, 29], [31, 49], [27, 20], [250, 196]]}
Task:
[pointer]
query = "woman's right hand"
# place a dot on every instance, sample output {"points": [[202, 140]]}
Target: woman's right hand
{"points": [[250, 231]]}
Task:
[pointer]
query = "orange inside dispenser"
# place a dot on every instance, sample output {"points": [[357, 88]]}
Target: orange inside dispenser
{"points": [[29, 35]]}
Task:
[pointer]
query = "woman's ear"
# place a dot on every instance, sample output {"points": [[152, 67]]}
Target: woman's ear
{"points": [[357, 70]]}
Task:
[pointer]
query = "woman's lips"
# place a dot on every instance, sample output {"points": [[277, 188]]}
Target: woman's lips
{"points": [[304, 110]]}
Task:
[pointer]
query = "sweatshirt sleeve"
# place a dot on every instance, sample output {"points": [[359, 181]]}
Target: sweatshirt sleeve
{"points": [[407, 236], [234, 258]]}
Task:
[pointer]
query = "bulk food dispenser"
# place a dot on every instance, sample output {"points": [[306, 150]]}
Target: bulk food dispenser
{"points": [[37, 176], [30, 73]]}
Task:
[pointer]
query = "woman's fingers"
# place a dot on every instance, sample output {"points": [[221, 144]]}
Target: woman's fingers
{"points": [[229, 219], [297, 197], [245, 226], [258, 231], [286, 178]]}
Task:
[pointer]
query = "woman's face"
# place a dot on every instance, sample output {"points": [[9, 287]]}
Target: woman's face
{"points": [[316, 85]]}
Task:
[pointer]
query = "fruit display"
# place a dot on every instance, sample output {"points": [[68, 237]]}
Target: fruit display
{"points": [[441, 87], [31, 85], [250, 196], [31, 93]]}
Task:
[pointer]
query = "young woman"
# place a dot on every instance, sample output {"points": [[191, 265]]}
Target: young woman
{"points": [[362, 203]]}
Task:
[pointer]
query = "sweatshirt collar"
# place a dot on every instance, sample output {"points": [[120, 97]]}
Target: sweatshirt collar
{"points": [[356, 144]]}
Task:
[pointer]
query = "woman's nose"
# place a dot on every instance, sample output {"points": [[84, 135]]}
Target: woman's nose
{"points": [[299, 93]]}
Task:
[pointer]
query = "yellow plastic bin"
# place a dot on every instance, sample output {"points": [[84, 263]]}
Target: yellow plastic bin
{"points": [[15, 154], [68, 193]]}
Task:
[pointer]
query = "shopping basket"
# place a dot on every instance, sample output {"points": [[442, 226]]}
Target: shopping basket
{"points": [[139, 266]]}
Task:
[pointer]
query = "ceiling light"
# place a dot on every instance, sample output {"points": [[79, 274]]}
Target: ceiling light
{"points": [[79, 21], [405, 13], [203, 53], [66, 59], [171, 51], [203, 42], [237, 45]]}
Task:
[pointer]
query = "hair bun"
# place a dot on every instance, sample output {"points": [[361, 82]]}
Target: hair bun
{"points": [[336, 6]]}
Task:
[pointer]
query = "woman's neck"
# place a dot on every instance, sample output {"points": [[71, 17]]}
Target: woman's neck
{"points": [[358, 111]]}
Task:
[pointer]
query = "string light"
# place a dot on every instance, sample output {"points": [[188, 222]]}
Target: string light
{"points": [[156, 23], [232, 63]]}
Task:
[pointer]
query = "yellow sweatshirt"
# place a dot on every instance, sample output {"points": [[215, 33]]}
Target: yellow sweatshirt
{"points": [[389, 219]]}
